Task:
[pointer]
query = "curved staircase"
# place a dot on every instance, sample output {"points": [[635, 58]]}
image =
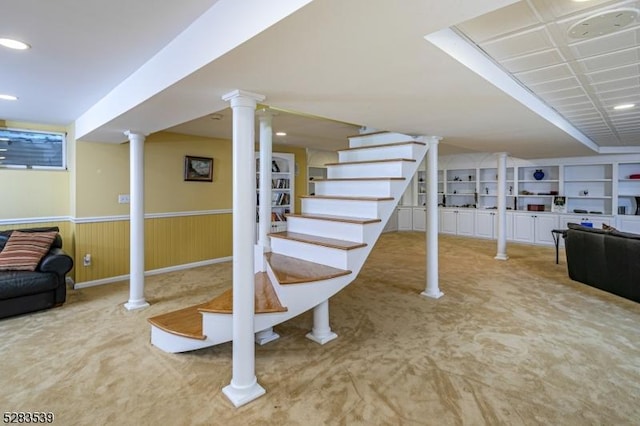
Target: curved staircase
{"points": [[322, 250]]}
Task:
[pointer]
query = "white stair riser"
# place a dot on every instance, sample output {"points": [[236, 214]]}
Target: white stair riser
{"points": [[172, 343], [374, 188], [349, 208], [312, 252], [331, 229], [369, 170], [378, 139], [379, 153]]}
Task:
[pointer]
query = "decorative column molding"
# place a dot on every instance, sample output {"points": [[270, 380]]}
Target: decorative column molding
{"points": [[244, 385], [502, 207], [136, 209], [432, 289], [321, 332]]}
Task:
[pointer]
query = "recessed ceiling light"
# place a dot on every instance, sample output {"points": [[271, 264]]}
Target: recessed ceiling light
{"points": [[8, 97], [281, 134], [624, 106], [13, 44], [603, 23]]}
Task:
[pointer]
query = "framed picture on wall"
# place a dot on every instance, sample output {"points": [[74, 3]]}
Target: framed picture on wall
{"points": [[198, 169]]}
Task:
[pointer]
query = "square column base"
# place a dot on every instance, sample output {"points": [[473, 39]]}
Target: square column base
{"points": [[242, 396], [133, 305], [437, 295], [266, 336], [322, 339], [501, 257]]}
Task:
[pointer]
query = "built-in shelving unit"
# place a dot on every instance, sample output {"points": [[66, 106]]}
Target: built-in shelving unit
{"points": [[628, 188], [313, 173], [488, 188], [282, 189], [533, 192], [588, 188], [461, 188]]}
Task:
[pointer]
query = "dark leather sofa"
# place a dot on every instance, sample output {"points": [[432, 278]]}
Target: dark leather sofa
{"points": [[605, 259], [25, 291]]}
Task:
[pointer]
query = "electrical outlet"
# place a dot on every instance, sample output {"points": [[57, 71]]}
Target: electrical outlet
{"points": [[124, 199], [86, 260]]}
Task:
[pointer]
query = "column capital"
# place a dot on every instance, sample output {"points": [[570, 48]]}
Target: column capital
{"points": [[132, 134], [429, 139], [502, 154], [243, 98], [265, 114]]}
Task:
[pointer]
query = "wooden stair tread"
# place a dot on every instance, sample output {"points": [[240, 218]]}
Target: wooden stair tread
{"points": [[357, 179], [383, 145], [346, 197], [320, 241], [266, 300], [185, 322], [290, 270], [346, 219], [386, 160]]}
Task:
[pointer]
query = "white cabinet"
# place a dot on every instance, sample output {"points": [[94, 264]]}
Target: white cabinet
{"points": [[282, 189], [534, 228], [419, 219], [595, 220], [487, 224], [628, 223], [405, 219], [458, 221]]}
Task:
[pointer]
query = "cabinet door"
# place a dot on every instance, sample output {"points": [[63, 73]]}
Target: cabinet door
{"points": [[448, 221], [405, 219], [544, 225], [466, 219], [523, 228], [485, 224], [629, 223], [419, 219]]}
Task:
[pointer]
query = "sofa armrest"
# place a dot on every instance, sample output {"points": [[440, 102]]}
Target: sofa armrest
{"points": [[56, 261]]}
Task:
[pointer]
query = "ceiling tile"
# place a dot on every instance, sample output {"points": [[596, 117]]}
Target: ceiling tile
{"points": [[551, 86], [562, 94], [533, 61], [554, 9], [518, 44], [542, 75], [601, 45], [616, 84], [515, 17], [614, 74], [578, 100], [611, 60]]}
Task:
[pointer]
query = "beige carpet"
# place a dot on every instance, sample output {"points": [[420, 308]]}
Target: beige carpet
{"points": [[510, 343]]}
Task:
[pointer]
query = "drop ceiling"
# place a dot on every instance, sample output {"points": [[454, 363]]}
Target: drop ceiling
{"points": [[581, 77]]}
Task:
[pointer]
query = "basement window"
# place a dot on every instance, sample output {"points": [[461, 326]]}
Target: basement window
{"points": [[29, 149]]}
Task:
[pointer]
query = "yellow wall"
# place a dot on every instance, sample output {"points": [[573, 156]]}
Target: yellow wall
{"points": [[100, 171], [29, 193]]}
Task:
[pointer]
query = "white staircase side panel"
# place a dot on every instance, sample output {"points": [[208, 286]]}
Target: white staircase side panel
{"points": [[379, 153], [362, 188], [173, 343], [337, 207], [378, 139], [369, 170], [330, 229]]}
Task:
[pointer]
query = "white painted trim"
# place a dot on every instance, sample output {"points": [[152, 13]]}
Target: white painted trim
{"points": [[464, 51], [159, 271], [29, 220]]}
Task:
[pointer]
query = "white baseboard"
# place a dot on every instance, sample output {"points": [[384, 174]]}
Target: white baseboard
{"points": [[119, 278]]}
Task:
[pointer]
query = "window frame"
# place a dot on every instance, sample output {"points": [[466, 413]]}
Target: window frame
{"points": [[46, 132]]}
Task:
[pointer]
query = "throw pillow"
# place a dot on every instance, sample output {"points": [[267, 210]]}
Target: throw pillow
{"points": [[608, 227], [24, 250]]}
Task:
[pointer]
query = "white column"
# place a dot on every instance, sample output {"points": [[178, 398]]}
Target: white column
{"points": [[502, 207], [244, 386], [136, 228], [321, 332], [432, 289]]}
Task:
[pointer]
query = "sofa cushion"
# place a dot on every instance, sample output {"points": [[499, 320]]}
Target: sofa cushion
{"points": [[24, 250], [24, 283]]}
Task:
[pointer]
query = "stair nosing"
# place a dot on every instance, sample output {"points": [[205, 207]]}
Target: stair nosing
{"points": [[296, 236], [335, 272], [358, 179], [344, 219], [348, 198], [386, 160], [195, 308], [384, 145]]}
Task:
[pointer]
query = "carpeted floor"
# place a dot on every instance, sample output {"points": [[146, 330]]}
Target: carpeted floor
{"points": [[512, 343]]}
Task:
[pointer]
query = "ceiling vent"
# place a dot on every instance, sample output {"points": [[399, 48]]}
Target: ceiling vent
{"points": [[603, 23]]}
